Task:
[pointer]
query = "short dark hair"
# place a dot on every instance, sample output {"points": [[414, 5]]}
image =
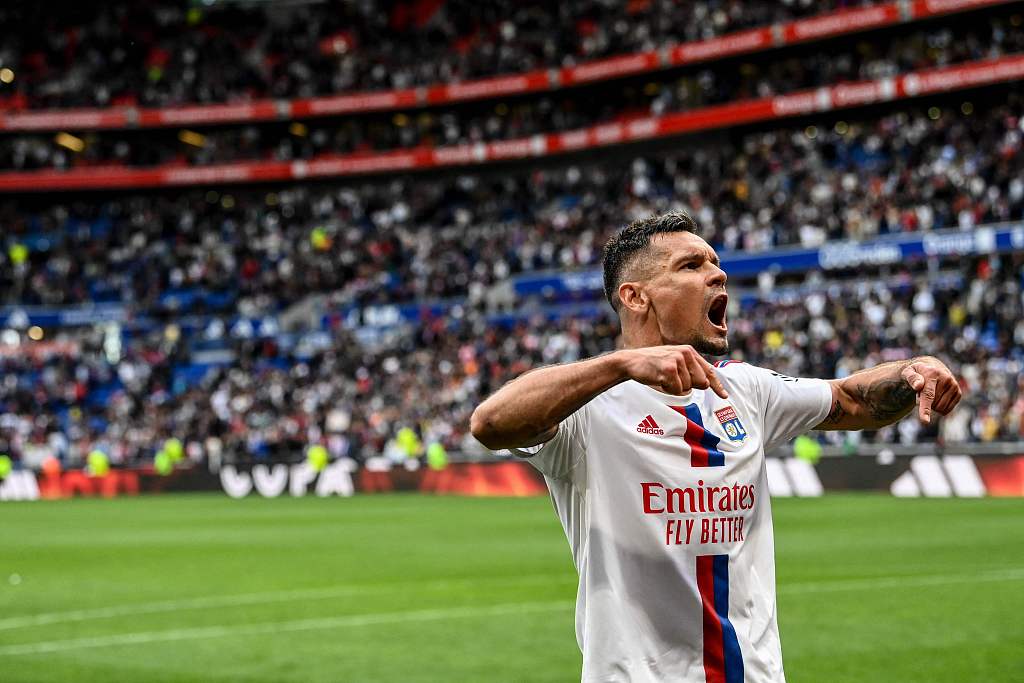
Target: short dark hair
{"points": [[635, 238]]}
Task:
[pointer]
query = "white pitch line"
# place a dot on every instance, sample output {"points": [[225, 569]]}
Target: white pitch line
{"points": [[1012, 574], [46, 647], [243, 599]]}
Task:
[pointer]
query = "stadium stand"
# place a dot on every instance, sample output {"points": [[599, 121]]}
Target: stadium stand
{"points": [[252, 321], [169, 53], [373, 242], [272, 394], [975, 37]]}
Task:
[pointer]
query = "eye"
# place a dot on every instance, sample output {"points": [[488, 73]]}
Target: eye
{"points": [[691, 265]]}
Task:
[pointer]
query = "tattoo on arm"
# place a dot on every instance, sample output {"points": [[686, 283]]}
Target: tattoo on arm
{"points": [[836, 415], [885, 399]]}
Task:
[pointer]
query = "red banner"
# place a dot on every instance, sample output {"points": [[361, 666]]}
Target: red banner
{"points": [[723, 46], [831, 24], [842, 21], [972, 74], [1003, 477]]}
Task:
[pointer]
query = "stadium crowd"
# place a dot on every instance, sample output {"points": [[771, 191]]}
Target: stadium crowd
{"points": [[171, 52], [418, 239], [972, 38], [270, 401]]}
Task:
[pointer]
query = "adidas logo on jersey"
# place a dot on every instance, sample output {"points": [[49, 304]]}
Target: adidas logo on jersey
{"points": [[649, 426]]}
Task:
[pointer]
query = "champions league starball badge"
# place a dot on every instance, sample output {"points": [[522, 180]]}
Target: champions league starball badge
{"points": [[731, 424]]}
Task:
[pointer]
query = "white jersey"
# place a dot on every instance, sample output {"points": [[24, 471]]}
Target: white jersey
{"points": [[664, 501]]}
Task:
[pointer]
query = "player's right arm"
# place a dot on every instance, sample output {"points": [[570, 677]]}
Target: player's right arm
{"points": [[528, 410]]}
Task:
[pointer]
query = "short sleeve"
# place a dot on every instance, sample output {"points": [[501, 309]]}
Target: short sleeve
{"points": [[559, 456], [790, 405]]}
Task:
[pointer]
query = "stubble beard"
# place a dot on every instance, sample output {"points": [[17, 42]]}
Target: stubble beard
{"points": [[711, 347], [699, 340]]}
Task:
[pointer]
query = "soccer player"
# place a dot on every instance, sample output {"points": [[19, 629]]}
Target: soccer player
{"points": [[655, 464]]}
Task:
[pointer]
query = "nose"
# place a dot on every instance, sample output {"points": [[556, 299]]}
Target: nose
{"points": [[718, 276]]}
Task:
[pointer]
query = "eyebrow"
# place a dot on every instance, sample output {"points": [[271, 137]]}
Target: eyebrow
{"points": [[690, 255]]}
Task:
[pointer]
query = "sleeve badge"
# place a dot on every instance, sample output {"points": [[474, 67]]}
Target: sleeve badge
{"points": [[731, 424]]}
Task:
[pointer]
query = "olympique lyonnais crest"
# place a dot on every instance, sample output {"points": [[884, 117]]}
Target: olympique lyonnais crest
{"points": [[731, 423]]}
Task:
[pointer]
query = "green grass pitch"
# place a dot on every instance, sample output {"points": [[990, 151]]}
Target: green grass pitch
{"points": [[417, 588]]}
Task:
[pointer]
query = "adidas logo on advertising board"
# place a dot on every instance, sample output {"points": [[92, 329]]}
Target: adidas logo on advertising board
{"points": [[649, 426]]}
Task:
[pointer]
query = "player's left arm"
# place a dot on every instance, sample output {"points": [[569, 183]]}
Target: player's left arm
{"points": [[881, 395]]}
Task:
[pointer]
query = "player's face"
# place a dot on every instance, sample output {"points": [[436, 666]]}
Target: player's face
{"points": [[687, 293]]}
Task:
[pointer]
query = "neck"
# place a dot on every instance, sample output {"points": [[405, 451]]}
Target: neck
{"points": [[641, 337]]}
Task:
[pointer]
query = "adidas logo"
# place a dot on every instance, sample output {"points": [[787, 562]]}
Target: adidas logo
{"points": [[649, 426]]}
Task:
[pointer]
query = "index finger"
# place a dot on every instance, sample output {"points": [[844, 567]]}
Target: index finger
{"points": [[709, 370], [927, 396]]}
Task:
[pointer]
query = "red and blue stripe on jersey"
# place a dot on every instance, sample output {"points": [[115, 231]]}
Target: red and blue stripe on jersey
{"points": [[703, 444], [723, 662]]}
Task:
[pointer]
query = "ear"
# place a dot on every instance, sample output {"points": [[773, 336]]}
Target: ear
{"points": [[633, 297]]}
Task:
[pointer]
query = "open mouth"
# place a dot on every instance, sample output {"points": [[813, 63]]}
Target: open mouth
{"points": [[716, 311]]}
